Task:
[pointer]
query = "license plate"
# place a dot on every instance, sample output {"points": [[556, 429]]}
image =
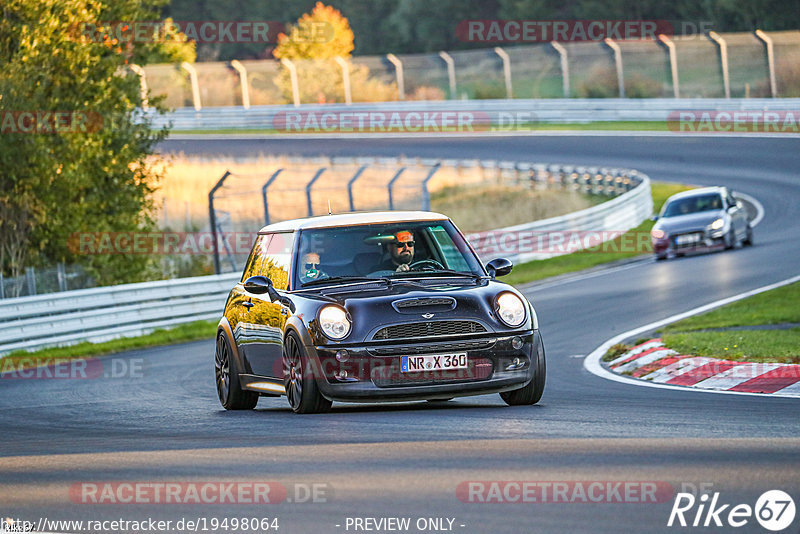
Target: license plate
{"points": [[433, 362], [687, 239]]}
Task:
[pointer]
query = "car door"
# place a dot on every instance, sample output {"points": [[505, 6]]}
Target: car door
{"points": [[738, 215], [266, 320]]}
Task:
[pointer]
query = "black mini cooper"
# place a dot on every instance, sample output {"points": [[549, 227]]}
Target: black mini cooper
{"points": [[366, 307]]}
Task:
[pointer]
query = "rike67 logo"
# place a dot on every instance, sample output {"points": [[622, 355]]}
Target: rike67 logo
{"points": [[774, 510]]}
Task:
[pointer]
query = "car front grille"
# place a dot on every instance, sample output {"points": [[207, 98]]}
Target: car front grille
{"points": [[427, 329], [390, 375], [432, 348]]}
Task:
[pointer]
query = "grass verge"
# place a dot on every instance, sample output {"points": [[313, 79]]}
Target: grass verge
{"points": [[762, 346], [181, 333], [615, 250]]}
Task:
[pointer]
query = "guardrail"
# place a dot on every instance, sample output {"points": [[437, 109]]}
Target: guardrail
{"points": [[497, 115], [104, 313]]}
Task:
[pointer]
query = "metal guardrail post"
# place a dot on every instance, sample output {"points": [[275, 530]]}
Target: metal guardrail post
{"points": [[139, 71], [293, 77], [398, 69], [426, 194], [2, 286], [188, 67], [770, 51], [309, 185], [618, 64], [237, 65], [264, 194], [350, 184], [723, 61], [348, 98], [562, 52], [506, 69], [61, 275], [673, 63], [451, 72], [391, 185], [212, 215]]}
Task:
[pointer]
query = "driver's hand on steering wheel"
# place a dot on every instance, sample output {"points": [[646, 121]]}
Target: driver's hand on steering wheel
{"points": [[403, 267]]}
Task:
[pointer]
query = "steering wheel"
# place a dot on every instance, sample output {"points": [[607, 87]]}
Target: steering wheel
{"points": [[415, 266]]}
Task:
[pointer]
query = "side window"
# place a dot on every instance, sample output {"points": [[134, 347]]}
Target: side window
{"points": [[278, 260], [256, 259]]}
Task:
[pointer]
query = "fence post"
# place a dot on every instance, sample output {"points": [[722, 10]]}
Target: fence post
{"points": [[348, 98], [139, 71], [398, 69], [564, 66], [426, 195], [237, 65], [618, 64], [350, 184], [673, 63], [264, 194], [61, 274], [213, 219], [2, 286], [30, 278], [506, 69], [188, 67], [723, 60], [391, 185], [770, 51], [309, 185], [293, 76], [451, 72]]}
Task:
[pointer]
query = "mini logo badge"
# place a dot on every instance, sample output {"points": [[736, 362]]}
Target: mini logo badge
{"points": [[427, 315]]}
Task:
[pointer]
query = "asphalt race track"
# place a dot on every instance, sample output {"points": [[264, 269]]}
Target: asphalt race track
{"points": [[164, 424]]}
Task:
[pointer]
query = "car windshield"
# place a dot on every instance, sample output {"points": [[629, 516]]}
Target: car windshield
{"points": [[376, 251], [696, 204]]}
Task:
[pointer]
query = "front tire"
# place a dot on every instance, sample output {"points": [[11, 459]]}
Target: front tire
{"points": [[531, 393], [299, 380], [230, 392], [748, 240], [730, 240]]}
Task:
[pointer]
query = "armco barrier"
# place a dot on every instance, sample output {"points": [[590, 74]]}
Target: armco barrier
{"points": [[104, 313], [499, 114]]}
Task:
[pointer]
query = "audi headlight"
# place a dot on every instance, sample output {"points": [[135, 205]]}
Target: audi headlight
{"points": [[510, 308], [716, 225], [334, 323]]}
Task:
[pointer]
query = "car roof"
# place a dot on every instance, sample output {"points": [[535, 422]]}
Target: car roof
{"points": [[700, 191], [352, 219]]}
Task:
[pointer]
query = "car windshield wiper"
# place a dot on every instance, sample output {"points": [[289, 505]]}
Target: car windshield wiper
{"points": [[334, 279], [437, 272]]}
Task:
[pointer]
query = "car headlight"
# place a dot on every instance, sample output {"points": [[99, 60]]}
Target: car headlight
{"points": [[716, 225], [333, 321], [510, 308], [658, 234]]}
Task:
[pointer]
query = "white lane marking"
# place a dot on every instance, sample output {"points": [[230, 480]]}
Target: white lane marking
{"points": [[444, 135], [593, 365], [754, 202]]}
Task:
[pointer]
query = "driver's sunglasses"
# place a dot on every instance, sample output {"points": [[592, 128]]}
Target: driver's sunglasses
{"points": [[409, 244]]}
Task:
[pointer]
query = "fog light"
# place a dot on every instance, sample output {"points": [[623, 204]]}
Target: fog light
{"points": [[342, 356], [343, 374], [516, 342], [516, 361]]}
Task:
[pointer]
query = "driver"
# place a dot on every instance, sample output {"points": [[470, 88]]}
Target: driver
{"points": [[401, 252]]}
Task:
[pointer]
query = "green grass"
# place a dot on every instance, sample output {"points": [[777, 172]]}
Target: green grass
{"points": [[781, 305], [181, 333], [763, 346], [617, 249]]}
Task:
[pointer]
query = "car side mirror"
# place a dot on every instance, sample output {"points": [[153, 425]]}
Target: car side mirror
{"points": [[654, 217], [258, 285], [499, 267]]}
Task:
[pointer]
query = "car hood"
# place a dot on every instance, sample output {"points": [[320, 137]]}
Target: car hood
{"points": [[407, 302], [688, 222]]}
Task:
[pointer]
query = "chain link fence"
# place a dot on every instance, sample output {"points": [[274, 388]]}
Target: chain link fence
{"points": [[544, 70]]}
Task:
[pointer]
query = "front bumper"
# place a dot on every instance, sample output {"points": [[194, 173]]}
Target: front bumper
{"points": [[371, 372], [706, 240]]}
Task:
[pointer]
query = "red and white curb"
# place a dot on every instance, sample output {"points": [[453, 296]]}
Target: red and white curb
{"points": [[693, 365], [656, 363]]}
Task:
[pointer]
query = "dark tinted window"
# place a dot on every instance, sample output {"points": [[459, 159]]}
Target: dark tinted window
{"points": [[696, 204]]}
